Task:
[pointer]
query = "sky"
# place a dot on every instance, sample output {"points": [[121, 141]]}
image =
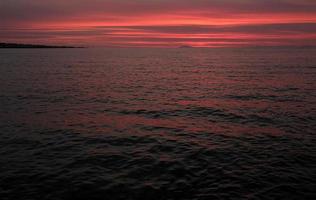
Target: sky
{"points": [[159, 23]]}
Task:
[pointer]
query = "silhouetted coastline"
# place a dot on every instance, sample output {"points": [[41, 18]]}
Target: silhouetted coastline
{"points": [[185, 46], [15, 45]]}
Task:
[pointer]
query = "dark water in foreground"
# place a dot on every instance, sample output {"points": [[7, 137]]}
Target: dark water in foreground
{"points": [[158, 124]]}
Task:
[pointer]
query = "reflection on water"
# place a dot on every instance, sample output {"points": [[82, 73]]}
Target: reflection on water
{"points": [[158, 123]]}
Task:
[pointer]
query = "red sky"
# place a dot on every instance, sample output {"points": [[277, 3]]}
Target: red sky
{"points": [[159, 23]]}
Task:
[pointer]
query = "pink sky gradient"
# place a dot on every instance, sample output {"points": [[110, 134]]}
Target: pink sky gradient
{"points": [[159, 23]]}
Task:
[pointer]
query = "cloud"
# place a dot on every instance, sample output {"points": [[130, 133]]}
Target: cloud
{"points": [[35, 10], [125, 22]]}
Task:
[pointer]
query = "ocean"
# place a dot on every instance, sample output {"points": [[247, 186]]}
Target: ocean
{"points": [[137, 123]]}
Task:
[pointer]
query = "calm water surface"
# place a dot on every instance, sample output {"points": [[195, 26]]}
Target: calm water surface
{"points": [[158, 124]]}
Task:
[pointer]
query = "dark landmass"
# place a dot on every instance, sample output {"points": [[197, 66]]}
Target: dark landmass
{"points": [[14, 45], [185, 46]]}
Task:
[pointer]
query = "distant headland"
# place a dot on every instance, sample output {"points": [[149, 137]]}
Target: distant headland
{"points": [[186, 46], [15, 45]]}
